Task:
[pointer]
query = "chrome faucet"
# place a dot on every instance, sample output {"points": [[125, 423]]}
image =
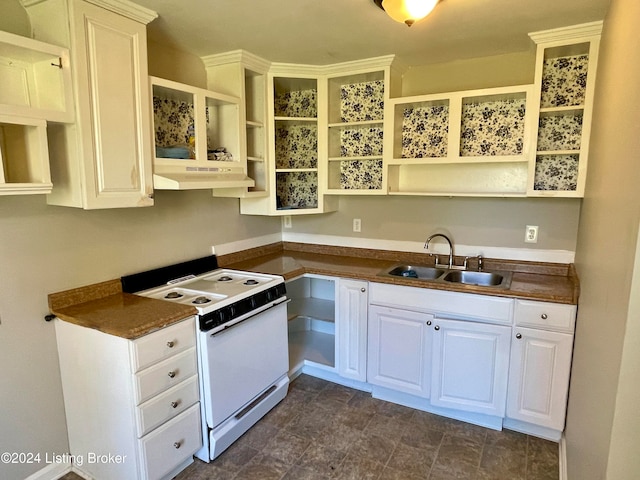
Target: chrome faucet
{"points": [[426, 245]]}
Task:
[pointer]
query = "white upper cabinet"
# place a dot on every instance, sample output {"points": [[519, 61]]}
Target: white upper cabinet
{"points": [[197, 138], [244, 75], [566, 64], [476, 143], [35, 78], [104, 160]]}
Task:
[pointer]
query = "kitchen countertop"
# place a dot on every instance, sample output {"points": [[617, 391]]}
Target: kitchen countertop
{"points": [[549, 282], [103, 306]]}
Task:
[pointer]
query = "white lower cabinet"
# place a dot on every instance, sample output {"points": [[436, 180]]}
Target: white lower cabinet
{"points": [[539, 377], [351, 329], [470, 366], [399, 350], [134, 401]]}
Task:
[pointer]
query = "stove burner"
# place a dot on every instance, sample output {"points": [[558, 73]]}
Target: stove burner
{"points": [[173, 295], [225, 278], [251, 281], [201, 300]]}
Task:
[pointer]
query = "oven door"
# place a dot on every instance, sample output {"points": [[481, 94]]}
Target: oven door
{"points": [[241, 362]]}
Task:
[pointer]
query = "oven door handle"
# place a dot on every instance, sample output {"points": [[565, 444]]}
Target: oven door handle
{"points": [[280, 301]]}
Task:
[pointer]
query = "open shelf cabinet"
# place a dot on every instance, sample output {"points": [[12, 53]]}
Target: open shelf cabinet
{"points": [[475, 143], [35, 79], [196, 133], [566, 64], [24, 156], [312, 317]]}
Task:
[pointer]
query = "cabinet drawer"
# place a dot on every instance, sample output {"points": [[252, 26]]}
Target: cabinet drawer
{"points": [[162, 344], [167, 405], [549, 316], [170, 445], [164, 375]]}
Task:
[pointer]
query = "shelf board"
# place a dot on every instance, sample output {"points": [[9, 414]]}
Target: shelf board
{"points": [[562, 110], [296, 119], [460, 194], [458, 160], [558, 152], [354, 191], [294, 170], [313, 308], [351, 159], [362, 123]]}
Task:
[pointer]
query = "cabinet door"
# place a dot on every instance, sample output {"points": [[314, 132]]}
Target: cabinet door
{"points": [[114, 110], [399, 350], [470, 366], [539, 377], [351, 329]]}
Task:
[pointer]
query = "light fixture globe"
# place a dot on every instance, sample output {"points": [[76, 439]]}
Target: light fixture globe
{"points": [[408, 11]]}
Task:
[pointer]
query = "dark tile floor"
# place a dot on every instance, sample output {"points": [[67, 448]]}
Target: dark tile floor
{"points": [[326, 431]]}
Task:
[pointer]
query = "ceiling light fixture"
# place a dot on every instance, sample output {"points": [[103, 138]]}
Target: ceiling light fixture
{"points": [[407, 11]]}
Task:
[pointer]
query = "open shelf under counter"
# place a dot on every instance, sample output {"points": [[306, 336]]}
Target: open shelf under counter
{"points": [[310, 346]]}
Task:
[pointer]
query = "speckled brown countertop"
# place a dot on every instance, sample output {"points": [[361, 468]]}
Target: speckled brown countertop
{"points": [[551, 282], [103, 306]]}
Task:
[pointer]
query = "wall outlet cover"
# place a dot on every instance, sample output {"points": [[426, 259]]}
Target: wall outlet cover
{"points": [[531, 234]]}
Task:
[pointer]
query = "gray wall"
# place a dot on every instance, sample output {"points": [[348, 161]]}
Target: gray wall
{"points": [[603, 421]]}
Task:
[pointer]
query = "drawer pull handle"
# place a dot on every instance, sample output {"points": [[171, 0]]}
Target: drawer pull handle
{"points": [[171, 344], [171, 374], [175, 404], [363, 289], [518, 336], [429, 322], [436, 327], [543, 316], [177, 444]]}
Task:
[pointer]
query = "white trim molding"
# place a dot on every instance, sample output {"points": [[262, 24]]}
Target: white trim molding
{"points": [[52, 471], [246, 244], [562, 459]]}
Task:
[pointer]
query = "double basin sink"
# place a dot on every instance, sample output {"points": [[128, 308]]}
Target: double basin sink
{"points": [[439, 275]]}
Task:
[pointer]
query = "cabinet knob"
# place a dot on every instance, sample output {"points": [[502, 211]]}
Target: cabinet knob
{"points": [[171, 374], [518, 336], [543, 316], [170, 344], [177, 444], [428, 322], [175, 404], [436, 327], [363, 289]]}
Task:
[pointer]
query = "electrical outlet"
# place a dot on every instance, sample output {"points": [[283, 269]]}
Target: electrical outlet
{"points": [[531, 234], [357, 225], [286, 220]]}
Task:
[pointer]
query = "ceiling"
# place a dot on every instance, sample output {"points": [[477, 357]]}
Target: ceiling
{"points": [[320, 32]]}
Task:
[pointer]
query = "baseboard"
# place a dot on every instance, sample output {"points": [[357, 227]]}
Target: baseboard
{"points": [[562, 459], [52, 471]]}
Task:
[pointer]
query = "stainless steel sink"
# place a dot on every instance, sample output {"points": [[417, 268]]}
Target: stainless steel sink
{"points": [[483, 279], [440, 275], [415, 271]]}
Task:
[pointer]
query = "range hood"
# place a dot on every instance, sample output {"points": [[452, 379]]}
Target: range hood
{"points": [[195, 178]]}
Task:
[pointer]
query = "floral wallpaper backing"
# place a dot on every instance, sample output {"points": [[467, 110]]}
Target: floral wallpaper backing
{"points": [[556, 172], [564, 81], [493, 128], [297, 190], [296, 103], [296, 145], [172, 120], [559, 132], [360, 102], [425, 131], [361, 141], [361, 174]]}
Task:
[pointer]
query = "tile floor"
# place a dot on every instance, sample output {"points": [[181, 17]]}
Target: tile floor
{"points": [[326, 431]]}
